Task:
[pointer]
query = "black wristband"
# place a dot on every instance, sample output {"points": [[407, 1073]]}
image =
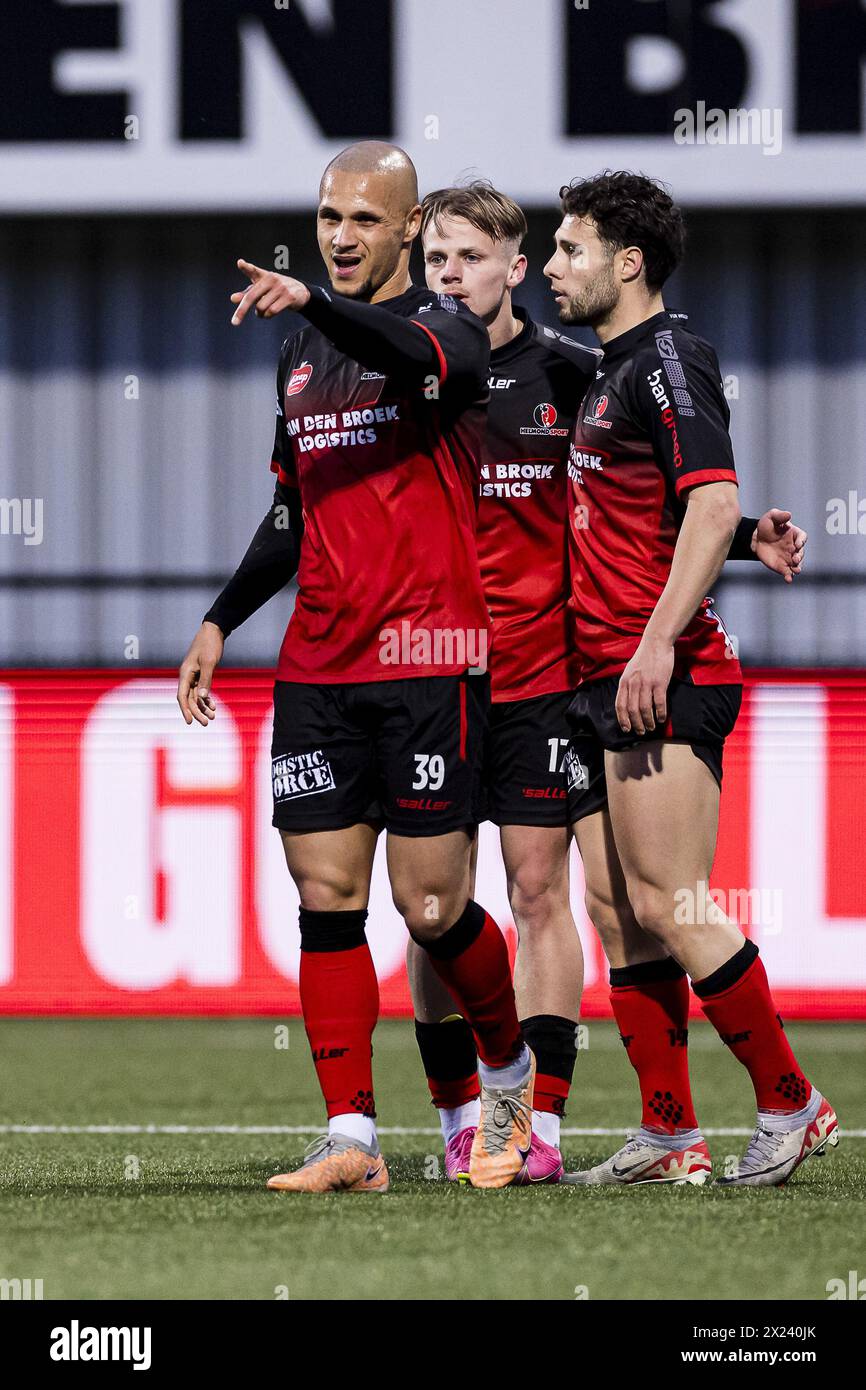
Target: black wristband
{"points": [[741, 545]]}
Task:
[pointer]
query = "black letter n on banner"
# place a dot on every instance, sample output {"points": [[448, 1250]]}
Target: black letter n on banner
{"points": [[344, 72]]}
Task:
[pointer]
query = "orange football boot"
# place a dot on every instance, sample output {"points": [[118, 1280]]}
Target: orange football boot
{"points": [[504, 1134], [336, 1163]]}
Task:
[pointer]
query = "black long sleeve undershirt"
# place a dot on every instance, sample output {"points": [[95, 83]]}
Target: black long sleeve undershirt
{"points": [[269, 563], [395, 345], [741, 545]]}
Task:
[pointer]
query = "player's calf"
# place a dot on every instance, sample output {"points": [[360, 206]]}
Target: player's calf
{"points": [[450, 1062], [737, 1001], [340, 1001], [650, 1003], [471, 960], [553, 1041]]}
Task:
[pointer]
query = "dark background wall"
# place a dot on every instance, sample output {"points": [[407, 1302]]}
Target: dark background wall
{"points": [[152, 487]]}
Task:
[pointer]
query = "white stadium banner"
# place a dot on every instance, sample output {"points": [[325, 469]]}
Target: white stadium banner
{"points": [[128, 105]]}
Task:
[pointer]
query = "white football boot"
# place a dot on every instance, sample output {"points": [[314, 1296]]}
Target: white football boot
{"points": [[650, 1157], [781, 1143]]}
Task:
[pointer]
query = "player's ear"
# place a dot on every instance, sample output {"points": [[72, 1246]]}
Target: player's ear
{"points": [[517, 273], [631, 263], [413, 223]]}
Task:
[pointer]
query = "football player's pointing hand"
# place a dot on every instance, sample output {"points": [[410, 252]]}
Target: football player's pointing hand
{"points": [[268, 293]]}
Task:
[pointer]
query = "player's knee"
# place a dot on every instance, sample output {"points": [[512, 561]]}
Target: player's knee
{"points": [[427, 912], [606, 916], [537, 895], [652, 907], [336, 890], [601, 911]]}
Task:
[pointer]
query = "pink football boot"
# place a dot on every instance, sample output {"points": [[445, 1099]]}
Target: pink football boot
{"points": [[543, 1164], [457, 1152]]}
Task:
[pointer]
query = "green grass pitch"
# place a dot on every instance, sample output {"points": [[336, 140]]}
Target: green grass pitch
{"points": [[186, 1215]]}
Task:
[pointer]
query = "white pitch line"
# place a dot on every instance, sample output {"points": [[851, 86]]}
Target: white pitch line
{"points": [[317, 1129]]}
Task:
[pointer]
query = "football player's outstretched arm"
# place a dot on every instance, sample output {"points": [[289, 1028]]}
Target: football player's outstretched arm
{"points": [[448, 348]]}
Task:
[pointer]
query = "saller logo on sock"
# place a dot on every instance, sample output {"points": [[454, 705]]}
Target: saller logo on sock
{"points": [[301, 774]]}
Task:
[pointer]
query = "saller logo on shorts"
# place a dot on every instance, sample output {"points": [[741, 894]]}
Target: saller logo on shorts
{"points": [[576, 775], [301, 774]]}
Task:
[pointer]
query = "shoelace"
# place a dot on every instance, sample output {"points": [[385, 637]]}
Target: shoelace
{"points": [[505, 1111], [315, 1147], [762, 1149], [632, 1146]]}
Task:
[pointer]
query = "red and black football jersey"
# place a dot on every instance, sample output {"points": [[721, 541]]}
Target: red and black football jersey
{"points": [[653, 424], [537, 381], [387, 466]]}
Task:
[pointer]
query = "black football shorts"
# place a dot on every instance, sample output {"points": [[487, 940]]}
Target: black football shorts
{"points": [[700, 715], [524, 771], [405, 753]]}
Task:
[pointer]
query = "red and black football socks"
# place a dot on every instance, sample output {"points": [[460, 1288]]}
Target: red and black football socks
{"points": [[554, 1042], [340, 1003], [450, 1062], [471, 958], [650, 1003], [737, 1001]]}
